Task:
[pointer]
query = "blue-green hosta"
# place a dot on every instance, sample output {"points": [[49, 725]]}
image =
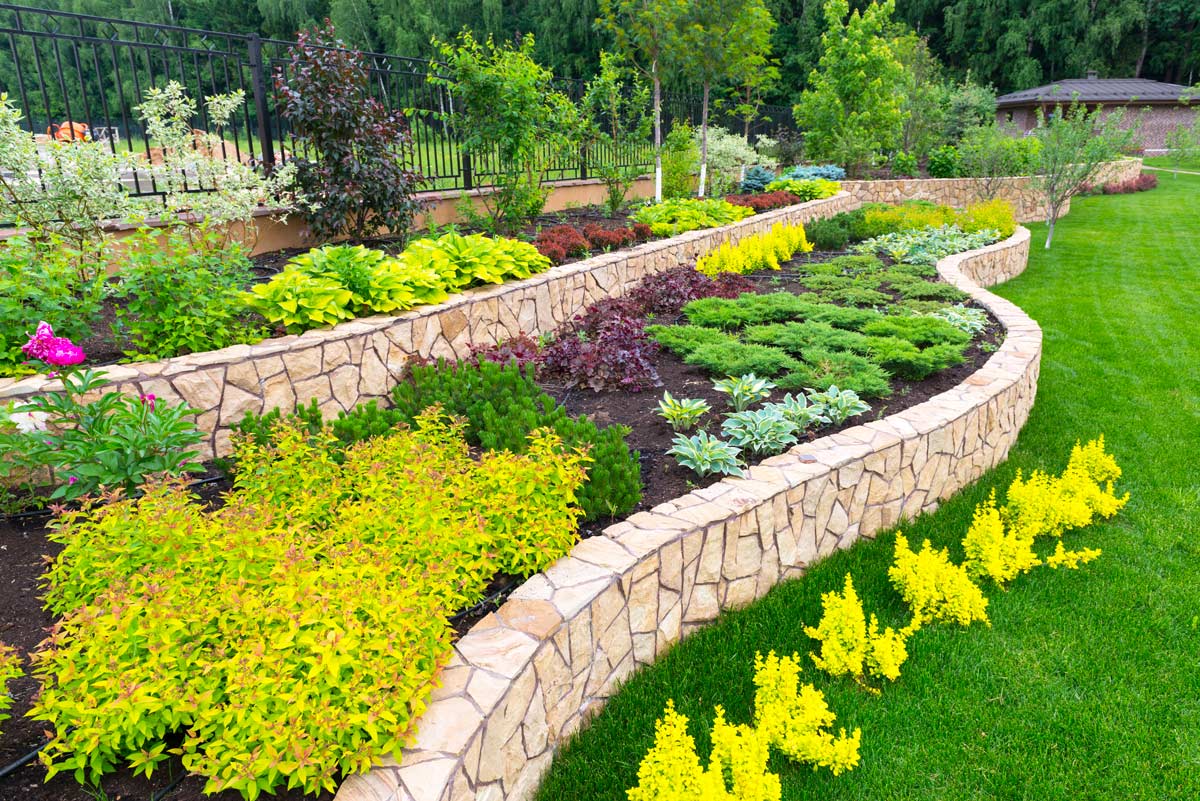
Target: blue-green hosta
{"points": [[706, 454], [927, 245], [839, 405], [964, 318], [763, 432], [744, 391], [802, 414], [682, 413]]}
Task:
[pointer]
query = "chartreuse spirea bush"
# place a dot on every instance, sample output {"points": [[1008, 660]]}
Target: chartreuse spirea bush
{"points": [[765, 251], [291, 636], [10, 668], [679, 215], [791, 718]]}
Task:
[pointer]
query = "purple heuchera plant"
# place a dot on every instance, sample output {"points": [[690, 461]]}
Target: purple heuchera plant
{"points": [[54, 351], [615, 354]]}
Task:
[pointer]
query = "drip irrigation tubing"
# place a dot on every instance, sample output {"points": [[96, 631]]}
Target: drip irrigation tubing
{"points": [[12, 767]]}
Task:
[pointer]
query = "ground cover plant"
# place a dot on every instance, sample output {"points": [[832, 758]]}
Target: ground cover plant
{"points": [[1098, 659], [345, 572]]}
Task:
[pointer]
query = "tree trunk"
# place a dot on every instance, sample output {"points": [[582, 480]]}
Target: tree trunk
{"points": [[704, 139], [1137, 71], [658, 174], [1051, 219]]}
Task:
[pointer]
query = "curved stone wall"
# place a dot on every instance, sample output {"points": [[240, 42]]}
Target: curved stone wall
{"points": [[526, 677], [362, 359]]}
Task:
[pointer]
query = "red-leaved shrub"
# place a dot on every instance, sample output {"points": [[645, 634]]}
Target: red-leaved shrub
{"points": [[762, 201], [522, 349], [562, 237]]}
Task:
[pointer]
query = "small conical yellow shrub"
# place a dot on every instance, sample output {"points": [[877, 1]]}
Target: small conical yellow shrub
{"points": [[852, 646], [935, 589]]}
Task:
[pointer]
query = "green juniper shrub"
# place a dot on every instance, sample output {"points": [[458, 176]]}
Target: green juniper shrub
{"points": [[796, 338], [857, 295], [683, 339], [847, 317], [930, 290], [737, 358], [922, 331], [901, 272], [847, 370], [774, 307], [829, 234], [502, 404], [826, 281], [858, 264], [905, 360]]}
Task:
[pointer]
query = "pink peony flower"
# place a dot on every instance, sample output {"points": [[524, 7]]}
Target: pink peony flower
{"points": [[147, 400], [54, 351]]}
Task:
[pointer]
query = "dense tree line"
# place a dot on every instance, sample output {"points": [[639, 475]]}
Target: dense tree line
{"points": [[1011, 44]]}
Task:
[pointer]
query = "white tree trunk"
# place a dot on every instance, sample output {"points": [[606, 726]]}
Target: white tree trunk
{"points": [[658, 173], [704, 142]]}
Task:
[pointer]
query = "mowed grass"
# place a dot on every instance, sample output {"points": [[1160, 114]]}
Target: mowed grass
{"points": [[1168, 162], [1087, 683]]}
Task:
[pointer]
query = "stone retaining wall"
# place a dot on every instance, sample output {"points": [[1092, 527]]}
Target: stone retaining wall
{"points": [[362, 359], [526, 677], [959, 192]]}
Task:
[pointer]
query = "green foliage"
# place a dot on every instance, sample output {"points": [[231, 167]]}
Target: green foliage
{"points": [[762, 432], [922, 331], [828, 234], [318, 595], [507, 113], [945, 162], [744, 391], [802, 414], [673, 217], [680, 162], [39, 280], [736, 358], [846, 369], [682, 413], [706, 454], [746, 310], [851, 110], [796, 338], [906, 360], [299, 301], [904, 165], [925, 246], [615, 103], [91, 441], [991, 153], [179, 292]]}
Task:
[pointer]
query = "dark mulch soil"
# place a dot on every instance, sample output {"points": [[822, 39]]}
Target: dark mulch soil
{"points": [[24, 548]]}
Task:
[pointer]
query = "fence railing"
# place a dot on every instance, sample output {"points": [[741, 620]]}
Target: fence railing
{"points": [[63, 69]]}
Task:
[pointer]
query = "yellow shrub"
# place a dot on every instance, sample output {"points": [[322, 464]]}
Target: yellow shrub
{"points": [[994, 214], [906, 217], [996, 552], [849, 646], [293, 635], [741, 753], [795, 718], [1042, 506], [756, 251], [1071, 559], [935, 589]]}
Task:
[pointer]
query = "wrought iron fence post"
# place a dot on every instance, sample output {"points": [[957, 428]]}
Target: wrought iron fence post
{"points": [[583, 163], [468, 179], [258, 84]]}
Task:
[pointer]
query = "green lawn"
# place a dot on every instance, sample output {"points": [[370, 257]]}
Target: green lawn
{"points": [[1168, 162], [1087, 684]]}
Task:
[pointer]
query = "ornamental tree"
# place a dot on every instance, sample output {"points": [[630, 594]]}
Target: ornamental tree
{"points": [[649, 34], [616, 108], [852, 111], [727, 40], [1075, 144]]}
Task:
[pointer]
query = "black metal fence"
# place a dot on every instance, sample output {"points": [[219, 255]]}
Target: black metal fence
{"points": [[63, 68]]}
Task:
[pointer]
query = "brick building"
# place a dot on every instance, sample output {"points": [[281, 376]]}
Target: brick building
{"points": [[1159, 106]]}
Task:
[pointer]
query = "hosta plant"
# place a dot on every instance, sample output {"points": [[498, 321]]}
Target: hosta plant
{"points": [[298, 301], [682, 413], [744, 391], [802, 414], [839, 405], [464, 261], [964, 318], [762, 432], [673, 217], [706, 454], [813, 189]]}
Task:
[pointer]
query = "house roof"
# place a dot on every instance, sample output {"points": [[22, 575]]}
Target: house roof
{"points": [[1095, 90]]}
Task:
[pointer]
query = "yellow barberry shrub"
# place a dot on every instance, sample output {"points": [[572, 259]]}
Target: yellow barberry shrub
{"points": [[795, 718], [764, 251], [10, 668], [849, 646], [740, 753], [935, 589], [995, 551], [1071, 559], [671, 770], [995, 215]]}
